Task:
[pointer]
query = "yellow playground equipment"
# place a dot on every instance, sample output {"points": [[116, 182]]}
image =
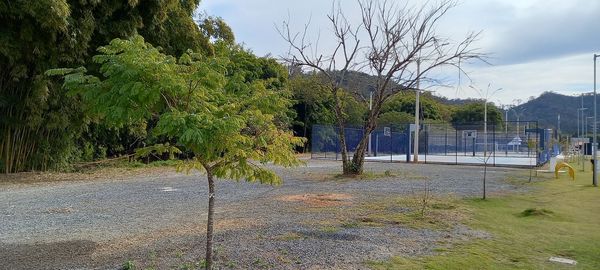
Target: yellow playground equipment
{"points": [[561, 165]]}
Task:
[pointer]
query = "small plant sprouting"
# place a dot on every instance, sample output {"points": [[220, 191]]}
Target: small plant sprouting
{"points": [[425, 198], [128, 265]]}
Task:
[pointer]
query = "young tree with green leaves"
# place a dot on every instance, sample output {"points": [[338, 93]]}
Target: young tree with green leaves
{"points": [[224, 109]]}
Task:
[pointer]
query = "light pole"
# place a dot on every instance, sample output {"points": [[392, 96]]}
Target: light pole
{"points": [[578, 135], [594, 174], [417, 115], [370, 151], [505, 108], [558, 129], [518, 115], [582, 121], [587, 128], [485, 100]]}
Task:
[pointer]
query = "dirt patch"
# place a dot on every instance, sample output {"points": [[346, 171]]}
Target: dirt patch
{"points": [[319, 200]]}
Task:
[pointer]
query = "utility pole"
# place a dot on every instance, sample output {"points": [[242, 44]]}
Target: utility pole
{"points": [[578, 135], [595, 174], [582, 122], [370, 151], [417, 114], [558, 128], [506, 120], [582, 116], [585, 126]]}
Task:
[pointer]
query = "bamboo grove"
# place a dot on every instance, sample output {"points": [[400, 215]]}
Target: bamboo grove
{"points": [[41, 126]]}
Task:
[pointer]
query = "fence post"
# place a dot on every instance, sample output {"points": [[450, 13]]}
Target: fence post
{"points": [[391, 142], [426, 141], [506, 139], [494, 143], [465, 145], [408, 144], [446, 142], [377, 144], [456, 145]]}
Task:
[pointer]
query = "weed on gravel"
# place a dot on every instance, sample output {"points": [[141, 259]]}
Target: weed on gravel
{"points": [[408, 211]]}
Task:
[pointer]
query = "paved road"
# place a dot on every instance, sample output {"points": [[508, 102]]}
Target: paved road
{"points": [[86, 213]]}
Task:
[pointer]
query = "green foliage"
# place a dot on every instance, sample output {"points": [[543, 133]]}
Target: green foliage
{"points": [[354, 111], [395, 120], [41, 126], [313, 102], [430, 108], [128, 265], [314, 105], [223, 109], [158, 149], [474, 113]]}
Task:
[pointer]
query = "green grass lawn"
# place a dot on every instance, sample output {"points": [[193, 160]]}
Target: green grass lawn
{"points": [[559, 217]]}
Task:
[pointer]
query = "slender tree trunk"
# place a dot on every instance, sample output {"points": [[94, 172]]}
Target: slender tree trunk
{"points": [[347, 168], [358, 160], [339, 116], [209, 223]]}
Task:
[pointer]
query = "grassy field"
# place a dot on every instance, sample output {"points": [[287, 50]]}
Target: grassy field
{"points": [[559, 217]]}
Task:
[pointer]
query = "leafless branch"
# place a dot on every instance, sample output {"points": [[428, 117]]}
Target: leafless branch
{"points": [[399, 40]]}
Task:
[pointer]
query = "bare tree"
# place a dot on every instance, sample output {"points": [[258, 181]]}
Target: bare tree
{"points": [[397, 40]]}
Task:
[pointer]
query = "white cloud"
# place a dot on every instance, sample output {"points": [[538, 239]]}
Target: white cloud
{"points": [[538, 45]]}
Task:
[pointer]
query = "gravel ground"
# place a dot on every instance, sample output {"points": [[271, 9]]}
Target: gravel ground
{"points": [[157, 219]]}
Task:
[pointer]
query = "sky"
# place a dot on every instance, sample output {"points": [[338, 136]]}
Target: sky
{"points": [[533, 45]]}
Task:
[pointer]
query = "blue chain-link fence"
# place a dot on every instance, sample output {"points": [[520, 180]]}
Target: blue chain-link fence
{"points": [[513, 144]]}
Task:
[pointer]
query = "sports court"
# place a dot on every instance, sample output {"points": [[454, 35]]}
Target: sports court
{"points": [[511, 144]]}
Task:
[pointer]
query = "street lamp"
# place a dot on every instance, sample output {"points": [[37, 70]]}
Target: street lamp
{"points": [[587, 124], [417, 114], [505, 108], [578, 135], [595, 174], [485, 99], [370, 151], [582, 121]]}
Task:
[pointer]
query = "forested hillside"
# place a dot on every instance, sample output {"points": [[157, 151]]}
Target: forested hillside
{"points": [[549, 105]]}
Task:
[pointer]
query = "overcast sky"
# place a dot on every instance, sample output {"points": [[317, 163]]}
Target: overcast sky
{"points": [[535, 45]]}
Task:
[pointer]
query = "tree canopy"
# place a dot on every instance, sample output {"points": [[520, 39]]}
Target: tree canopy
{"points": [[474, 113], [41, 126]]}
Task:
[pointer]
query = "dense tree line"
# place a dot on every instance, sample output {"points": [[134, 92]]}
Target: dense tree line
{"points": [[314, 106], [42, 127]]}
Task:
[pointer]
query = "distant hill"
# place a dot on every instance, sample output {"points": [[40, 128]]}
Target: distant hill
{"points": [[544, 109], [549, 105]]}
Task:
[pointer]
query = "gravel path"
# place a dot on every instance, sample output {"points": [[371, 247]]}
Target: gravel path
{"points": [[158, 220]]}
